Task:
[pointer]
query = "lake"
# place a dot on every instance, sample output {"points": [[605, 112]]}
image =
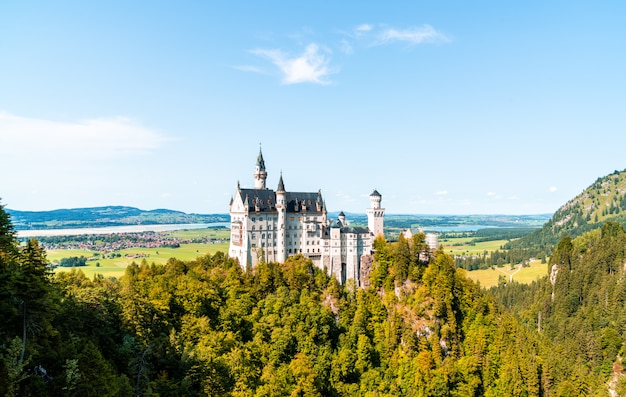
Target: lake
{"points": [[117, 229]]}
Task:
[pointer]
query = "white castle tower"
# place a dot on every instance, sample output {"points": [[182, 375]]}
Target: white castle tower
{"points": [[281, 210], [260, 175], [375, 214]]}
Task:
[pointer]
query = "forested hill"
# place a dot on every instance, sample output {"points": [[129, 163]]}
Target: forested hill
{"points": [[207, 328], [604, 200], [580, 308], [105, 216]]}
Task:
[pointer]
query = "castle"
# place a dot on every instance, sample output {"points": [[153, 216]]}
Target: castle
{"points": [[268, 225]]}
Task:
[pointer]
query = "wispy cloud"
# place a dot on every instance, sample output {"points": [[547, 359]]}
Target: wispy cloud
{"points": [[345, 198], [363, 28], [413, 36], [346, 47], [249, 68], [310, 67], [30, 138], [313, 65], [553, 189], [494, 195], [441, 193]]}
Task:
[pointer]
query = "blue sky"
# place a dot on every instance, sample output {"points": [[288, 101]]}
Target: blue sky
{"points": [[445, 107]]}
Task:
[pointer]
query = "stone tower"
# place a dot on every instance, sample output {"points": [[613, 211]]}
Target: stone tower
{"points": [[260, 175], [375, 214]]}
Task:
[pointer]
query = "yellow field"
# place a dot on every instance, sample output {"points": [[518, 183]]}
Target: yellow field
{"points": [[489, 277], [460, 246]]}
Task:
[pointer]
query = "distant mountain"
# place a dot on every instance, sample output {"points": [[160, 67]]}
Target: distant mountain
{"points": [[604, 200], [105, 216], [424, 221]]}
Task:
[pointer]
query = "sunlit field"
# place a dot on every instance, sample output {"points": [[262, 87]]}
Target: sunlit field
{"points": [[115, 267], [526, 275]]}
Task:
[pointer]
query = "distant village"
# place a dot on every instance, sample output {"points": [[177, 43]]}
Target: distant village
{"points": [[119, 241]]}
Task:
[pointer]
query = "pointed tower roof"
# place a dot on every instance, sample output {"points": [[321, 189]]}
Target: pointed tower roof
{"points": [[281, 185], [259, 160], [375, 193]]}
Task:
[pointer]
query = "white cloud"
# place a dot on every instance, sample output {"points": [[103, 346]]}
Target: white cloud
{"points": [[424, 34], [310, 67], [345, 197], [346, 47], [27, 138], [494, 195], [363, 28], [553, 189], [441, 193], [249, 68]]}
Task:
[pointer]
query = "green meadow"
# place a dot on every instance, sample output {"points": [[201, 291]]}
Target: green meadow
{"points": [[115, 266], [464, 245], [489, 277]]}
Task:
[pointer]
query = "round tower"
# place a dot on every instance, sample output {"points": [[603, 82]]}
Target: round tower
{"points": [[375, 214], [260, 175], [281, 208]]}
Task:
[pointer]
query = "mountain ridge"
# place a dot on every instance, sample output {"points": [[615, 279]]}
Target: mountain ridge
{"points": [[602, 201], [105, 216]]}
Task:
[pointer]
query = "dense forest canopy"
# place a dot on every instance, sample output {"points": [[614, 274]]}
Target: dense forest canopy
{"points": [[207, 328]]}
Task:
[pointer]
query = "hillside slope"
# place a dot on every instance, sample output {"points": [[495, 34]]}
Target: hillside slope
{"points": [[580, 308], [602, 201]]}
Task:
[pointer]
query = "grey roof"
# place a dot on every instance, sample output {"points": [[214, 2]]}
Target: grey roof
{"points": [[296, 200], [265, 200], [281, 185], [357, 229], [259, 160], [375, 193], [349, 229]]}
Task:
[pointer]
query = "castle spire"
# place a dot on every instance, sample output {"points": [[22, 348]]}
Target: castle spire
{"points": [[281, 185], [260, 174], [259, 160]]}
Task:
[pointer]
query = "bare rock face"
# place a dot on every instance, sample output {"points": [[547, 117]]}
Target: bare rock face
{"points": [[553, 272], [366, 269]]}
